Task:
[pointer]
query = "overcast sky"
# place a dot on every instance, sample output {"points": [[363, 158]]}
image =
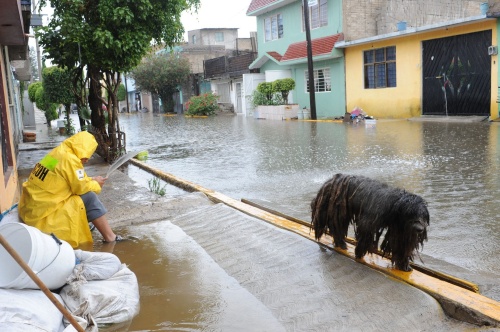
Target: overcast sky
{"points": [[221, 14]]}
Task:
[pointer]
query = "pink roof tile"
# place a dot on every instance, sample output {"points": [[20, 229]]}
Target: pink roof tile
{"points": [[320, 46], [258, 4], [275, 55]]}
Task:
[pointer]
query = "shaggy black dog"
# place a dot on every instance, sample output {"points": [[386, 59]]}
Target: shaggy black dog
{"points": [[372, 207]]}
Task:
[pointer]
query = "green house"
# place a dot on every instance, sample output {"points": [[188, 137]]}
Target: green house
{"points": [[282, 50]]}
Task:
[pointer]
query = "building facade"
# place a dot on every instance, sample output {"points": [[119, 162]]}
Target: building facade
{"points": [[14, 25], [281, 38]]}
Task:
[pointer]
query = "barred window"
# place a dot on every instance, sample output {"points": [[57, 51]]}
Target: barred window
{"points": [[273, 27], [322, 81], [318, 15], [380, 68]]}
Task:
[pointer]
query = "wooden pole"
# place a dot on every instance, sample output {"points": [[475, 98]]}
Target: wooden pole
{"points": [[40, 284]]}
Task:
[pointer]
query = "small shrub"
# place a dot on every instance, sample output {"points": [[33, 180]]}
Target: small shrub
{"points": [[266, 88], [155, 186], [205, 104], [284, 86]]}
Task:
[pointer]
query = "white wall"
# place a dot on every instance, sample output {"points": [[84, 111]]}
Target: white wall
{"points": [[250, 82]]}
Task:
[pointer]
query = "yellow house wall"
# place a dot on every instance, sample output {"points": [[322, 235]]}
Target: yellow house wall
{"points": [[405, 100], [9, 182]]}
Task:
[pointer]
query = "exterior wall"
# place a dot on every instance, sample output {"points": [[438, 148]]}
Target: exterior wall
{"points": [[328, 104], [9, 181], [405, 100], [292, 26], [206, 37], [377, 17]]}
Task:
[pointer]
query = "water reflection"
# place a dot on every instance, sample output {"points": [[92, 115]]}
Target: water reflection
{"points": [[182, 288], [452, 165]]}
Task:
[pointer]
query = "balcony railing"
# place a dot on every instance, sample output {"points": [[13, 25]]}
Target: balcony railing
{"points": [[226, 66]]}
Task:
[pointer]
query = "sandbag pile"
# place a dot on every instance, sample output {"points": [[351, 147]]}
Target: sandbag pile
{"points": [[100, 290]]}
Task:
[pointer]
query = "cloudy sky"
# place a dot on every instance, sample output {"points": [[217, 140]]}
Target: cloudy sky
{"points": [[221, 14]]}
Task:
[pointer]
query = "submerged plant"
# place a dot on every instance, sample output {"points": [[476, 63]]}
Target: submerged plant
{"points": [[155, 186]]}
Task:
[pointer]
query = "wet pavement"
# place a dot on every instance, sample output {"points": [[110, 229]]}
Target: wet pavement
{"points": [[205, 266]]}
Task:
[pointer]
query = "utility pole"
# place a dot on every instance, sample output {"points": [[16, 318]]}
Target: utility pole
{"points": [[312, 95], [38, 57]]}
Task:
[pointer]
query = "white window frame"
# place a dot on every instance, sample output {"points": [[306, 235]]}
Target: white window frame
{"points": [[273, 27], [318, 86], [318, 15]]}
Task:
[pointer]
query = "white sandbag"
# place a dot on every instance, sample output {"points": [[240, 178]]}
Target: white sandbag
{"points": [[11, 215], [94, 266], [110, 301], [29, 310]]}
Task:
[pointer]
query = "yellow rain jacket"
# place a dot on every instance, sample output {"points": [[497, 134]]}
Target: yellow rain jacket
{"points": [[50, 200]]}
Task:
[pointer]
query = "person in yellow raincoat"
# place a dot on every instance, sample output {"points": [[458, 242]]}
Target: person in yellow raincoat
{"points": [[60, 198]]}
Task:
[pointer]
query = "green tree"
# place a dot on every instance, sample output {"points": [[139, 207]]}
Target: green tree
{"points": [[266, 88], [283, 86], [162, 74], [48, 108], [121, 94], [108, 37], [57, 87], [32, 88]]}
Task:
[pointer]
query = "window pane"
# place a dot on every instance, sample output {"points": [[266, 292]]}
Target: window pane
{"points": [[323, 11], [314, 16], [379, 55], [391, 74], [369, 77], [280, 26], [369, 56], [380, 74], [380, 68], [274, 28], [267, 28], [391, 53]]}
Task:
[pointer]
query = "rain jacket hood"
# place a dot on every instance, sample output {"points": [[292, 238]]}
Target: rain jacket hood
{"points": [[83, 144], [50, 200]]}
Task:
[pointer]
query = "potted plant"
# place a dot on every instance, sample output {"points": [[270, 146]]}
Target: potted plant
{"points": [[270, 100]]}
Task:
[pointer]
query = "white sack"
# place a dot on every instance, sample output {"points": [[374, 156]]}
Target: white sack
{"points": [[94, 266], [29, 310], [110, 301]]}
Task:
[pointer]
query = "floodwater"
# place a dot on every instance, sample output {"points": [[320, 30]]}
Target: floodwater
{"points": [[453, 166]]}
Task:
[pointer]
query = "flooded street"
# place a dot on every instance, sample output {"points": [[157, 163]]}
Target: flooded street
{"points": [[453, 166]]}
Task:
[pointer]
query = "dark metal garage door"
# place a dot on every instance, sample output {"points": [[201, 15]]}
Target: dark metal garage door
{"points": [[457, 75]]}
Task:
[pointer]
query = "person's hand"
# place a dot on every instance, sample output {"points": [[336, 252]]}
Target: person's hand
{"points": [[100, 180]]}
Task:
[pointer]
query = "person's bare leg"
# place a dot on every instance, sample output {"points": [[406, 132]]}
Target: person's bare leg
{"points": [[103, 227]]}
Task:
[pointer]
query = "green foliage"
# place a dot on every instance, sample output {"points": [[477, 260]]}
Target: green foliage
{"points": [[205, 104], [258, 98], [57, 85], [283, 86], [273, 93], [49, 109], [121, 94], [155, 186], [266, 88], [162, 74], [32, 88], [108, 37]]}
